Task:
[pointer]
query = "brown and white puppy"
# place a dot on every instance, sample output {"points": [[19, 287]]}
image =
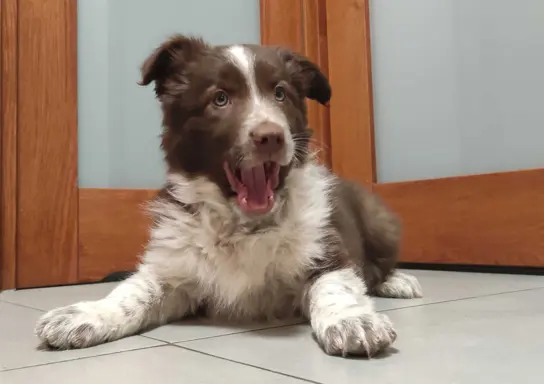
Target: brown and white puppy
{"points": [[247, 225]]}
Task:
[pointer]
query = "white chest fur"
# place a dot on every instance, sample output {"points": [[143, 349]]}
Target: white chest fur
{"points": [[239, 266]]}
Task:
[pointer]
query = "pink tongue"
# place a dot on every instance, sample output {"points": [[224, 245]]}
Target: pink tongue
{"points": [[255, 181]]}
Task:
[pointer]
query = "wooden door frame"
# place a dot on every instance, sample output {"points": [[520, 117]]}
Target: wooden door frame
{"points": [[39, 143], [8, 142]]}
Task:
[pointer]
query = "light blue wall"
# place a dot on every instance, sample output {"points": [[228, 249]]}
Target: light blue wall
{"points": [[458, 86], [119, 122]]}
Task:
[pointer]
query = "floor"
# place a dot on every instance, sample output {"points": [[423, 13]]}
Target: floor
{"points": [[469, 328]]}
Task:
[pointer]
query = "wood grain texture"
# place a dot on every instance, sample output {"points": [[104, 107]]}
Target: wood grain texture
{"points": [[281, 23], [494, 219], [8, 143], [113, 230], [47, 143], [491, 219], [351, 109], [302, 26], [315, 48]]}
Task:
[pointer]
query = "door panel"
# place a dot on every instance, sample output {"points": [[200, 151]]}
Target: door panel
{"points": [[119, 146], [447, 101], [462, 100], [468, 95], [80, 164], [120, 122], [113, 230]]}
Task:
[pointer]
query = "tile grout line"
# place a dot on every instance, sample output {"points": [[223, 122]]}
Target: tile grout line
{"points": [[83, 358], [22, 305], [152, 338], [247, 364], [462, 299], [226, 334]]}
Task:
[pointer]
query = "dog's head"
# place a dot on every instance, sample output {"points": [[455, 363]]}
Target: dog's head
{"points": [[235, 114]]}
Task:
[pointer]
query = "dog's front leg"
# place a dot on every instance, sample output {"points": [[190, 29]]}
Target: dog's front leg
{"points": [[142, 301], [343, 317]]}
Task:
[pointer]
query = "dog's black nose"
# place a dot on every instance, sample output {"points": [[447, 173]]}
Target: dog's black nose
{"points": [[268, 138]]}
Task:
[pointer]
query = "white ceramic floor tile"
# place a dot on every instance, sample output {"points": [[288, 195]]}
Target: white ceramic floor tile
{"points": [[18, 345], [449, 342], [437, 286], [494, 339], [46, 299], [163, 365], [444, 286]]}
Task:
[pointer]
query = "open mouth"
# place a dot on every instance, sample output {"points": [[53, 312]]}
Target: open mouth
{"points": [[254, 186]]}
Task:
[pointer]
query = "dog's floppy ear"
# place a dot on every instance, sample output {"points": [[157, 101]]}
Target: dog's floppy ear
{"points": [[313, 82], [171, 56]]}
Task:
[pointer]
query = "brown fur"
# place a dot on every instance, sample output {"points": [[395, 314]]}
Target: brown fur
{"points": [[197, 138], [367, 232]]}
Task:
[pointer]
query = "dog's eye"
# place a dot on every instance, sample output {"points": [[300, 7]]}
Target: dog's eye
{"points": [[279, 93], [221, 99]]}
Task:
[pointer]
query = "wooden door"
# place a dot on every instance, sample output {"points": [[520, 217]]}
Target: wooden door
{"points": [[490, 219], [55, 229]]}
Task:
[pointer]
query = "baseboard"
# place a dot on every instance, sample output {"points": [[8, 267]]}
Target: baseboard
{"points": [[497, 269], [117, 276]]}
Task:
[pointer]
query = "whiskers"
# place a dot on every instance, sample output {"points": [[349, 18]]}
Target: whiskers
{"points": [[303, 141]]}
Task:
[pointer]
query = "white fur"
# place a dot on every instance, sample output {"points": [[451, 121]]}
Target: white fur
{"points": [[262, 109], [215, 256], [240, 271], [343, 316], [218, 257], [140, 301], [400, 286]]}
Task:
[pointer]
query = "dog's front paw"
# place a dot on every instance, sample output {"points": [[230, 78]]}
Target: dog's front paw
{"points": [[400, 286], [76, 326], [356, 332]]}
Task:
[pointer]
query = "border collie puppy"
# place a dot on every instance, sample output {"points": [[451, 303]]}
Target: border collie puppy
{"points": [[247, 225]]}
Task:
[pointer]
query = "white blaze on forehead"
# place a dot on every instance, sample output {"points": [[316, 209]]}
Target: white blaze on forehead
{"points": [[262, 109], [244, 60]]}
